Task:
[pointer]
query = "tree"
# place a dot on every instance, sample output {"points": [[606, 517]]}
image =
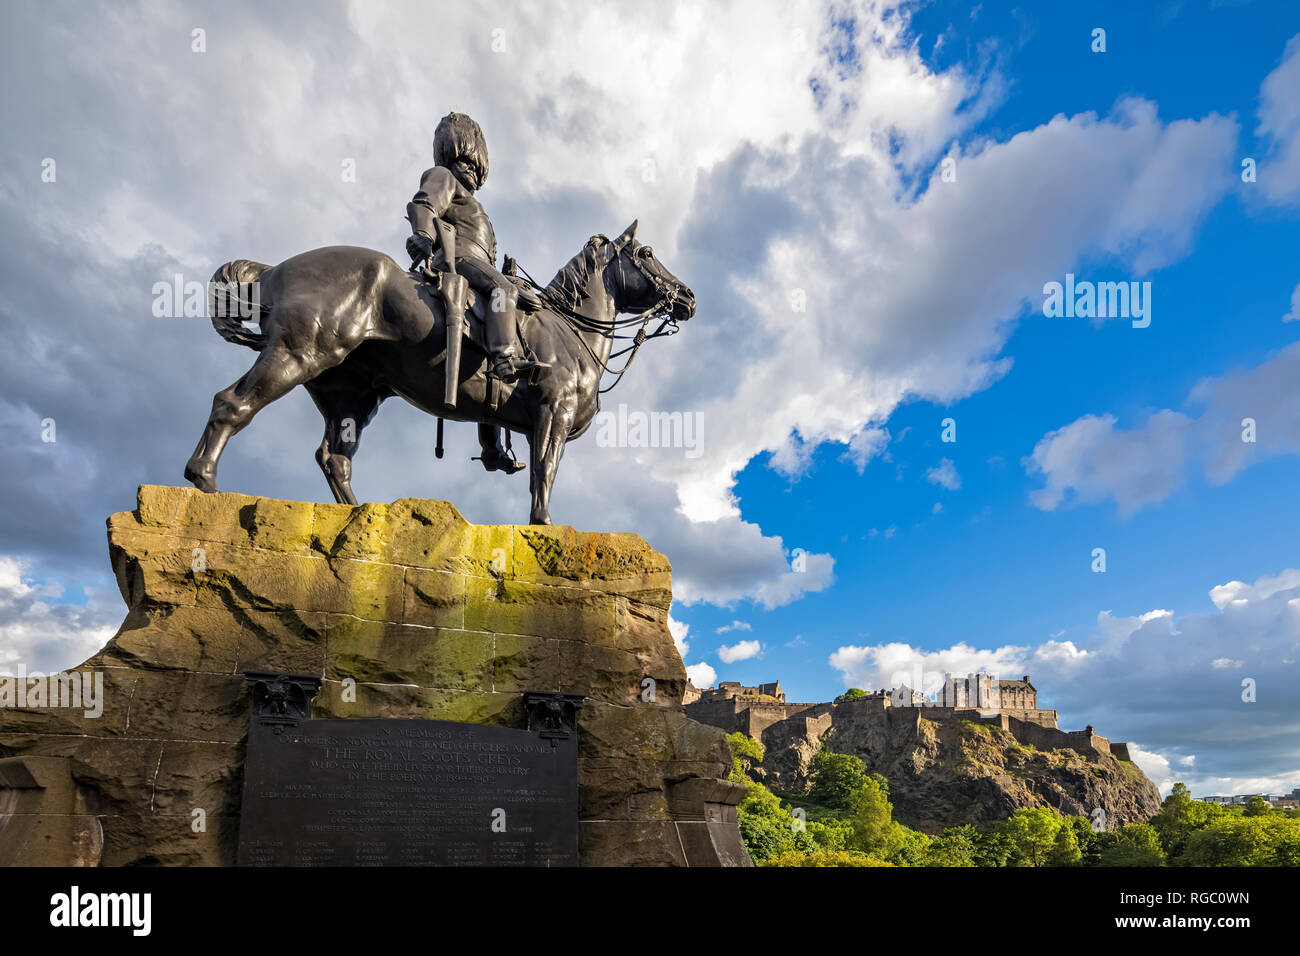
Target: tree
{"points": [[1090, 841], [1244, 841], [992, 847], [831, 833], [1137, 844], [915, 848], [955, 846], [745, 753], [1257, 806], [1065, 850], [1180, 816], [1032, 832], [874, 829], [766, 827], [836, 777], [853, 693]]}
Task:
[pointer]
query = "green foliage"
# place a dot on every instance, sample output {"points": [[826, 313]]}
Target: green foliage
{"points": [[915, 850], [875, 831], [766, 826], [1090, 841], [1032, 833], [953, 847], [835, 778], [745, 753], [830, 833], [1257, 807], [1180, 816], [992, 847], [824, 858], [1065, 850], [864, 832], [1137, 844], [1272, 840], [853, 693]]}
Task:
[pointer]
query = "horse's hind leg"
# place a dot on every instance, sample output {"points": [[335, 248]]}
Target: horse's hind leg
{"points": [[347, 410], [277, 370]]}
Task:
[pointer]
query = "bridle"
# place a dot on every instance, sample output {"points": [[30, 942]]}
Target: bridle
{"points": [[666, 297]]}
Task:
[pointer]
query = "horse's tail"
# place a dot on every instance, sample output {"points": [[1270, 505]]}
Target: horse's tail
{"points": [[234, 295]]}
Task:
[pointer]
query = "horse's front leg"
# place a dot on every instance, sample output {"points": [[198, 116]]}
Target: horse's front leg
{"points": [[546, 446]]}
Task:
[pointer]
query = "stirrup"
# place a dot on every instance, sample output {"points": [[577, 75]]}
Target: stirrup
{"points": [[498, 460]]}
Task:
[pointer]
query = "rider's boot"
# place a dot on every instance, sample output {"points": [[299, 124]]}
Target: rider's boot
{"points": [[495, 457], [507, 363]]}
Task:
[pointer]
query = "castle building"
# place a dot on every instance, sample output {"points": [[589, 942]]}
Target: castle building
{"points": [[982, 692], [730, 690]]}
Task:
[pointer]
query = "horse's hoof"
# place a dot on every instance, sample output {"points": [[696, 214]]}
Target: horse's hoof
{"points": [[200, 481]]}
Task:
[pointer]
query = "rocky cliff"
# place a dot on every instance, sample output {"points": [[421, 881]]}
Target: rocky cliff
{"points": [[403, 610], [946, 773]]}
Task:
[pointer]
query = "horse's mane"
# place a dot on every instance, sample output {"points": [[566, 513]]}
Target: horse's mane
{"points": [[569, 287]]}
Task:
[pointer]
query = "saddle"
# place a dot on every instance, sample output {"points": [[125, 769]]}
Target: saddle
{"points": [[467, 310]]}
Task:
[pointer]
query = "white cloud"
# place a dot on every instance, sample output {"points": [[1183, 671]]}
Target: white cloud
{"points": [[866, 445], [944, 475], [1091, 460], [740, 651], [680, 632], [1156, 766], [701, 675], [885, 666], [735, 626], [1294, 314], [1166, 769], [1173, 685], [40, 631], [1279, 126], [1234, 591]]}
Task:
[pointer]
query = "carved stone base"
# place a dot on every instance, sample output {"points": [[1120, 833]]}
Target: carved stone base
{"points": [[402, 610]]}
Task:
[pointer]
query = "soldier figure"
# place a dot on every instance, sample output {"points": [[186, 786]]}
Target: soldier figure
{"points": [[451, 230]]}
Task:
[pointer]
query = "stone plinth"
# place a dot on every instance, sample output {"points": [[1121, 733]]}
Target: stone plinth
{"points": [[403, 610]]}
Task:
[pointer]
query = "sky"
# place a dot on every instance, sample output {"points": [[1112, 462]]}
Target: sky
{"points": [[908, 463]]}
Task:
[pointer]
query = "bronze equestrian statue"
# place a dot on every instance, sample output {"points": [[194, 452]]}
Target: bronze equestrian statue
{"points": [[353, 327]]}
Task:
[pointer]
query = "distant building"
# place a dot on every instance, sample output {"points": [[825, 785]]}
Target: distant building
{"points": [[983, 692], [730, 690]]}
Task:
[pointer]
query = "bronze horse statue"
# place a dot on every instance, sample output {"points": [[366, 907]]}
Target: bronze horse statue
{"points": [[353, 327]]}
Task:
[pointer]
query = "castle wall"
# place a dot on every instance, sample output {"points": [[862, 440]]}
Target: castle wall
{"points": [[718, 713], [759, 715], [752, 717], [1050, 738]]}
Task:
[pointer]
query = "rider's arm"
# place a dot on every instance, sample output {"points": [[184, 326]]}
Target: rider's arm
{"points": [[437, 189]]}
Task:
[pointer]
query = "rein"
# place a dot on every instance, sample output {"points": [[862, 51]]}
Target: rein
{"points": [[581, 323]]}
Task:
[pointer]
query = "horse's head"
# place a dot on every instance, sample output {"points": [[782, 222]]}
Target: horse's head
{"points": [[642, 282]]}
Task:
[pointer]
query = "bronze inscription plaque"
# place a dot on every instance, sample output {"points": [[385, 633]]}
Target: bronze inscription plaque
{"points": [[407, 793]]}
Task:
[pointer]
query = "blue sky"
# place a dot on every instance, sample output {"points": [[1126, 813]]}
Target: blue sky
{"points": [[991, 569], [767, 149]]}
